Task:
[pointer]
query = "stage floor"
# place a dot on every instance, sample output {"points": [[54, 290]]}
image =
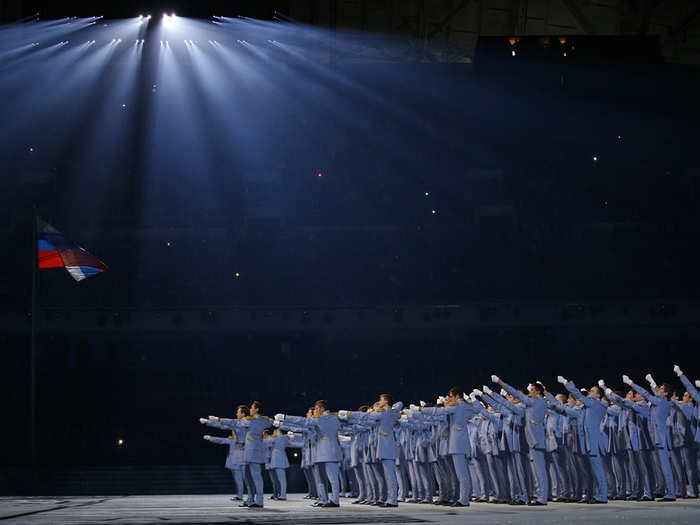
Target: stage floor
{"points": [[196, 509]]}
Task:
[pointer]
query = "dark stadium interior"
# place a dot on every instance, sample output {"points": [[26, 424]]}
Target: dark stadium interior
{"points": [[396, 227]]}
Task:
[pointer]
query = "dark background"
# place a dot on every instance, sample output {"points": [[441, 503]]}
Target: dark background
{"points": [[525, 217]]}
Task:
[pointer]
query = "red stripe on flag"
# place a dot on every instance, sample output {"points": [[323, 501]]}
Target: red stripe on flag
{"points": [[50, 259], [81, 258]]}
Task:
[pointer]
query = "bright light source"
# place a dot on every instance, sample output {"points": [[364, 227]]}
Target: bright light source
{"points": [[595, 158], [167, 243], [434, 212], [427, 194], [31, 149], [237, 275], [513, 52], [120, 442], [319, 174]]}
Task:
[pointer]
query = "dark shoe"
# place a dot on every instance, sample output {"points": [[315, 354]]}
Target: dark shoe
{"points": [[272, 497], [458, 504], [235, 498], [357, 501], [666, 499], [244, 504], [425, 502], [377, 503], [583, 500], [645, 498], [537, 504], [255, 506], [631, 498], [389, 505], [594, 501], [317, 504], [330, 505]]}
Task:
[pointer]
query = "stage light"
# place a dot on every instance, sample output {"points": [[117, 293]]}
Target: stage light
{"points": [[31, 149], [434, 212], [513, 52], [564, 53], [237, 275], [319, 175], [120, 442], [619, 137], [296, 454], [595, 158], [123, 106], [167, 243], [427, 194]]}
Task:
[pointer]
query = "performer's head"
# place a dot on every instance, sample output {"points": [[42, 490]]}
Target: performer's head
{"points": [[310, 412], [537, 390], [385, 401], [363, 408], [256, 408], [664, 390], [242, 411], [455, 393], [320, 407]]}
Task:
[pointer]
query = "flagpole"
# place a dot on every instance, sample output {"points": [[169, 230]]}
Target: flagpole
{"points": [[35, 291]]}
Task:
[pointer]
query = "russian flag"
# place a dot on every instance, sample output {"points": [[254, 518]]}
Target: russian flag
{"points": [[55, 251]]}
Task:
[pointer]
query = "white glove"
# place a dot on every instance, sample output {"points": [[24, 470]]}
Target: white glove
{"points": [[343, 414], [530, 386], [601, 383], [422, 404], [626, 380], [503, 392], [413, 407], [404, 417], [478, 392], [650, 380], [562, 380], [203, 421], [697, 383], [467, 397], [677, 370], [279, 417], [213, 418], [290, 434], [495, 379], [441, 400], [472, 397], [608, 391], [487, 390], [208, 438], [276, 423]]}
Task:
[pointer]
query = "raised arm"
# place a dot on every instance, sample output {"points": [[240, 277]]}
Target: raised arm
{"points": [[687, 384], [515, 393]]}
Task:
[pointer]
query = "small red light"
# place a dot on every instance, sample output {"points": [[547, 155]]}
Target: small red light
{"points": [[319, 174]]}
